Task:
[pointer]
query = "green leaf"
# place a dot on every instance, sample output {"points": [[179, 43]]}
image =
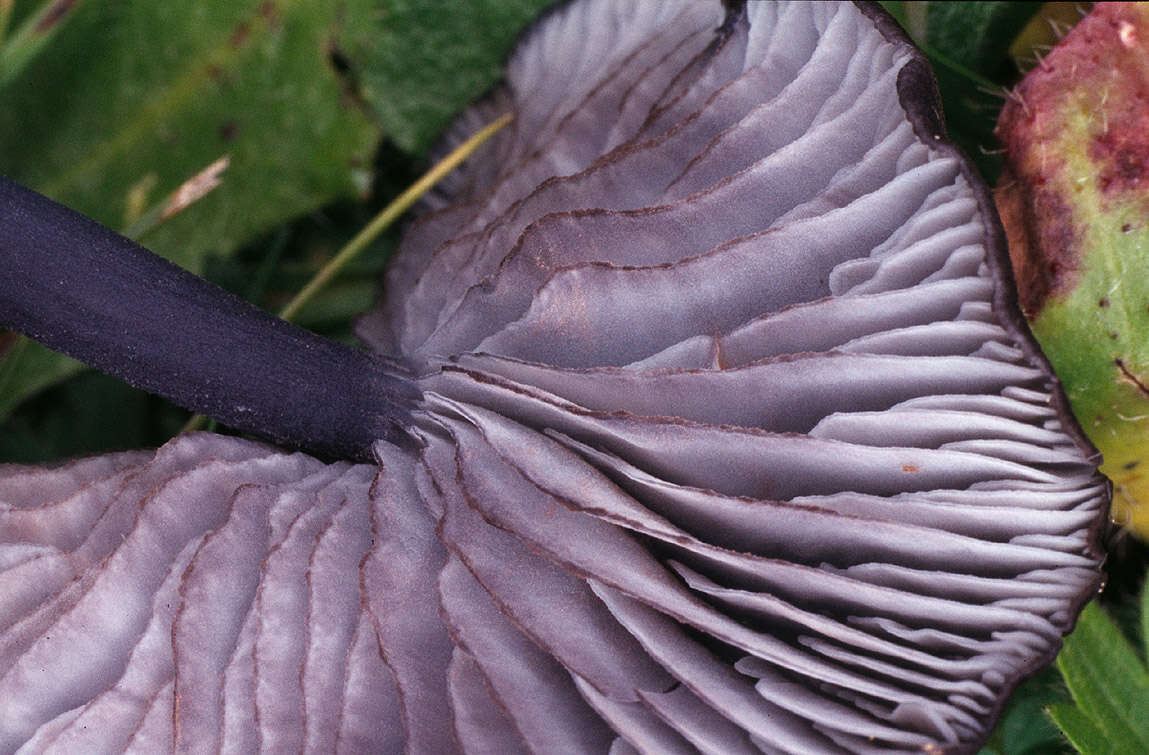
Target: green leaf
{"points": [[1024, 727], [1081, 730], [1074, 208], [423, 62], [26, 368], [1145, 620], [977, 34], [89, 414], [131, 99], [1109, 684], [968, 43]]}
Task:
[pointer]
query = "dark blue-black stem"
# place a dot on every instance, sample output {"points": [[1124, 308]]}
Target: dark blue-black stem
{"points": [[81, 289]]}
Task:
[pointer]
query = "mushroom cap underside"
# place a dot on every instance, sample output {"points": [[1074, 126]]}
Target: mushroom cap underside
{"points": [[731, 439]]}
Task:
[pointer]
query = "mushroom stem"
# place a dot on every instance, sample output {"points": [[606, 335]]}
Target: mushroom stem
{"points": [[82, 289]]}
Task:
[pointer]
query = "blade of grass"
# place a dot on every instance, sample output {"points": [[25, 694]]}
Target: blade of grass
{"points": [[5, 17], [389, 215], [267, 265], [18, 50], [187, 193]]}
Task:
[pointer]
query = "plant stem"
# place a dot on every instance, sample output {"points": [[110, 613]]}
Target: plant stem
{"points": [[390, 214]]}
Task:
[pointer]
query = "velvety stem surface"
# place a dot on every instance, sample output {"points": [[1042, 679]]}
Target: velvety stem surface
{"points": [[79, 288]]}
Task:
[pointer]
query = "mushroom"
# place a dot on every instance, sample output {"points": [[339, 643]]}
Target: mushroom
{"points": [[707, 422]]}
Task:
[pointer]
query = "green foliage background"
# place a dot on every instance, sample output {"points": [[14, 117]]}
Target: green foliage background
{"points": [[327, 110]]}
